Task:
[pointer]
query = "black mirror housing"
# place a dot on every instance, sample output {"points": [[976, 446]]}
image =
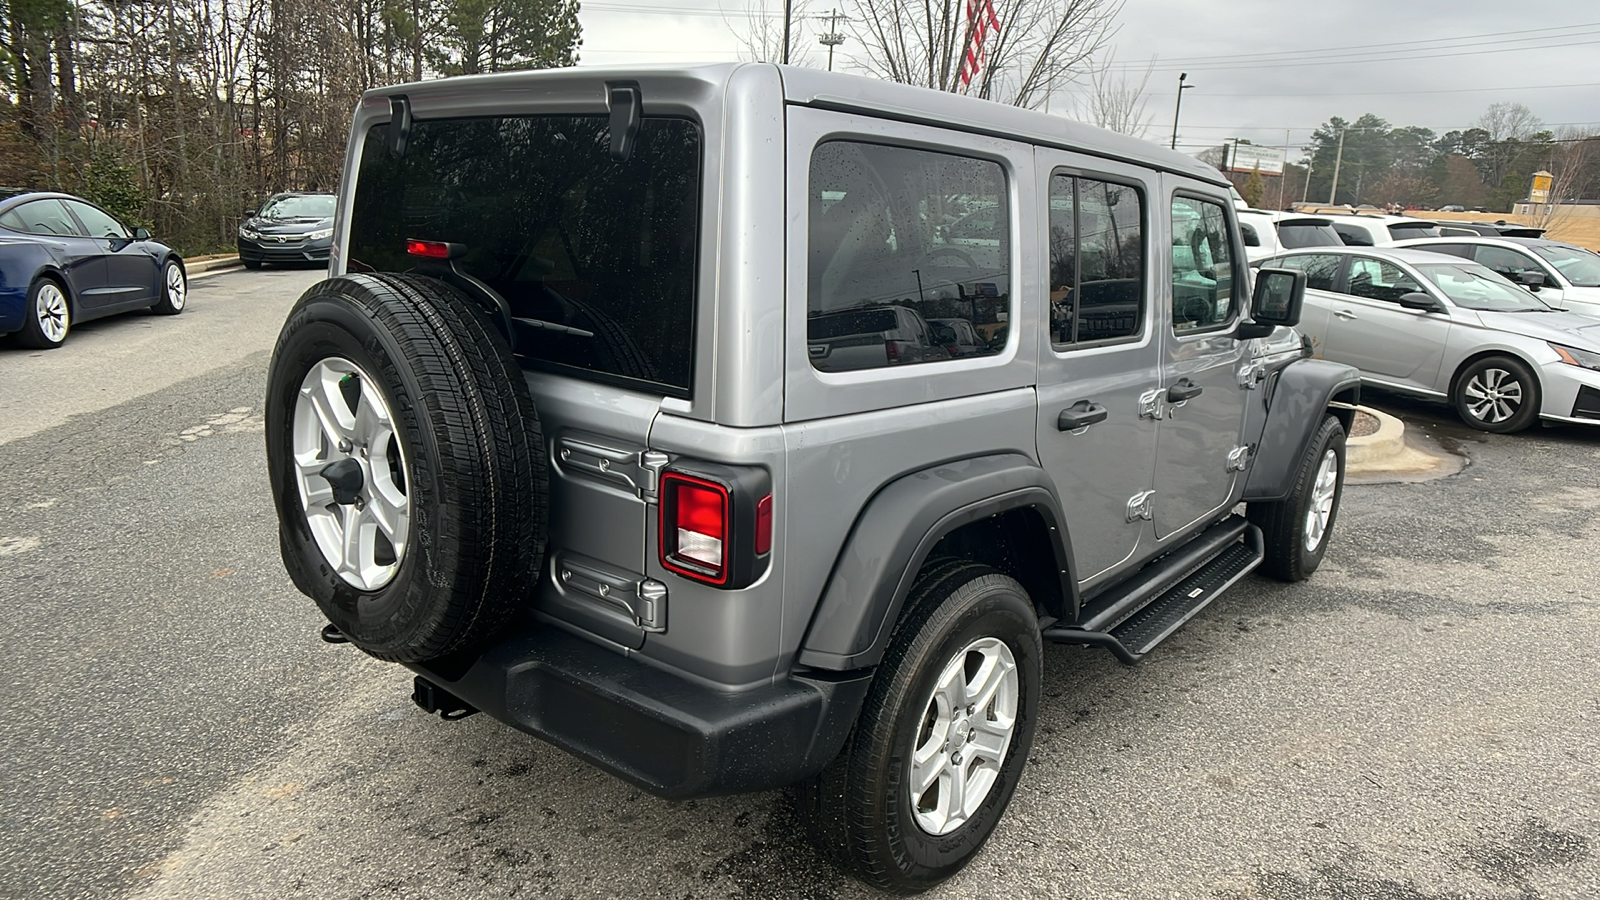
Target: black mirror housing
{"points": [[141, 234], [1420, 301], [1278, 298]]}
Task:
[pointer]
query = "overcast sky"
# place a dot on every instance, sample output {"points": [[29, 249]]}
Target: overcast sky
{"points": [[1436, 63]]}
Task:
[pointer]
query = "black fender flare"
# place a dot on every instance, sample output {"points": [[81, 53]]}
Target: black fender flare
{"points": [[892, 537], [1300, 395]]}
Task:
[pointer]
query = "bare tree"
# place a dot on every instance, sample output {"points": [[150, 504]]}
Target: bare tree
{"points": [[1568, 165], [1509, 126], [1112, 99], [761, 32], [1041, 44]]}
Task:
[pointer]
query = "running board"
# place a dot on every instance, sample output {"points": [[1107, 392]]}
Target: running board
{"points": [[1132, 618]]}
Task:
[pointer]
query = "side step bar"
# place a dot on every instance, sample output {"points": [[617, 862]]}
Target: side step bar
{"points": [[1135, 616]]}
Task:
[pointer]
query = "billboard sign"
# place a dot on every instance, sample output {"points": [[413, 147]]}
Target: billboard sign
{"points": [[1249, 157]]}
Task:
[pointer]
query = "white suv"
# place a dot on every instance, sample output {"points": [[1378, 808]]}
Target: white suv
{"points": [[1268, 233], [1361, 230]]}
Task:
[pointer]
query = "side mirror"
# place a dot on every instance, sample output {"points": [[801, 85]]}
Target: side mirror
{"points": [[1278, 298], [1420, 301], [141, 234], [1530, 279], [249, 213]]}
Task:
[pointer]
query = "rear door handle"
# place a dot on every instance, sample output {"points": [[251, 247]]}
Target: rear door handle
{"points": [[1183, 390], [1345, 314], [1080, 415]]}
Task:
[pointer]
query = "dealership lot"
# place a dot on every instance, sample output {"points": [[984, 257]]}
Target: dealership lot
{"points": [[1421, 719]]}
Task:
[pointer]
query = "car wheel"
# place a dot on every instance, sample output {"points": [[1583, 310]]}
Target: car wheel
{"points": [[1296, 528], [942, 737], [407, 465], [1498, 394], [49, 316], [174, 289], [251, 263]]}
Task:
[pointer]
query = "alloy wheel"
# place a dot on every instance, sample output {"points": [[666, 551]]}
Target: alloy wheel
{"points": [[965, 730], [177, 286], [1320, 509], [55, 317], [1493, 395]]}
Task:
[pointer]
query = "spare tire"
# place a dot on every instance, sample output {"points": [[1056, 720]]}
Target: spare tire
{"points": [[407, 465]]}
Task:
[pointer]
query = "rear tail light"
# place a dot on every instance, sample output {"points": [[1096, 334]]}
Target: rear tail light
{"points": [[892, 348], [428, 249], [716, 523]]}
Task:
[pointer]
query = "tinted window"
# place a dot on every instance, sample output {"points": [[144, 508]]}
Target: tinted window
{"points": [[47, 217], [1403, 230], [1096, 260], [291, 206], [1294, 235], [1580, 267], [1321, 269], [1377, 280], [604, 250], [1202, 265], [1462, 250], [1249, 234], [897, 237], [1352, 235], [1509, 263], [99, 223]]}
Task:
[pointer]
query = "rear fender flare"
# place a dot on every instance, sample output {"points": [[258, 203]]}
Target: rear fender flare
{"points": [[891, 540], [1300, 398]]}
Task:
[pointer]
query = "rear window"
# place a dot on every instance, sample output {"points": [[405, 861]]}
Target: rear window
{"points": [[1294, 235], [602, 250], [1353, 235], [1402, 230], [864, 321]]}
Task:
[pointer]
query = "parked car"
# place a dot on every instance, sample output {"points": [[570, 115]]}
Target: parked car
{"points": [[1501, 228], [294, 227], [1437, 326], [1373, 230], [64, 260], [1564, 276], [1452, 207], [1270, 233], [568, 431], [958, 337]]}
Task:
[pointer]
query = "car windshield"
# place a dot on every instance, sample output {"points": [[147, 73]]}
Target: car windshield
{"points": [[315, 206], [1475, 287], [1581, 267]]}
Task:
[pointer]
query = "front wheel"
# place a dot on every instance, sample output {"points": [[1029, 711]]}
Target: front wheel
{"points": [[174, 289], [1498, 394], [1296, 529], [942, 738]]}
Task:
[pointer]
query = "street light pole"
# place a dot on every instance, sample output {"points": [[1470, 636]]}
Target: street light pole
{"points": [[1178, 108], [1338, 159], [788, 14]]}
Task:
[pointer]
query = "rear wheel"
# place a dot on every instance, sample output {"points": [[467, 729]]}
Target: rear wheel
{"points": [[942, 738], [1498, 394], [407, 465], [48, 316]]}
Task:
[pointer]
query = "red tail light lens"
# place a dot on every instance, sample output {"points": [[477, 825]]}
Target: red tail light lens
{"points": [[763, 542], [892, 349], [694, 527]]}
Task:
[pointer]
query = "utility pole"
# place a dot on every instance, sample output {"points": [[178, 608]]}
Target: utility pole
{"points": [[833, 38], [1283, 179], [1338, 159], [1178, 107], [788, 14]]}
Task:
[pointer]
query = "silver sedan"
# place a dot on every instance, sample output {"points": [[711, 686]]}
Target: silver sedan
{"points": [[1437, 326]]}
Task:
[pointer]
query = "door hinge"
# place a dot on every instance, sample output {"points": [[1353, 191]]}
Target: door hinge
{"points": [[1142, 506], [1151, 404], [651, 462], [1239, 458], [1251, 374]]}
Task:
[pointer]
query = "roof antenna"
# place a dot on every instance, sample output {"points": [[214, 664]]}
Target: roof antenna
{"points": [[399, 124], [624, 101]]}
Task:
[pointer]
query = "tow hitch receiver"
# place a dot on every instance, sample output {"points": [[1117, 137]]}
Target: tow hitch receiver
{"points": [[435, 699]]}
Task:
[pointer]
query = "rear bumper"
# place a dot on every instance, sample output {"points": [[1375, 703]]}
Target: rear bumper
{"points": [[672, 737]]}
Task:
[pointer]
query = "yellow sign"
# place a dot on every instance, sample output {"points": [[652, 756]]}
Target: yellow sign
{"points": [[1541, 187]]}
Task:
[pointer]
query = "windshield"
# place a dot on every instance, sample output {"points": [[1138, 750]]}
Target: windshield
{"points": [[1581, 267], [315, 206], [1473, 287]]}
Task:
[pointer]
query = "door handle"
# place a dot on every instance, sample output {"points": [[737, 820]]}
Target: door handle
{"points": [[1080, 415], [1345, 314], [1183, 390]]}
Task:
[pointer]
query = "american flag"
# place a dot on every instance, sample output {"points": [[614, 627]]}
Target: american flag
{"points": [[980, 19]]}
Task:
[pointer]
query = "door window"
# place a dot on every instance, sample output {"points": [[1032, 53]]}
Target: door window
{"points": [[899, 237], [99, 223], [47, 217], [1509, 263], [1322, 269], [1096, 261], [1376, 280], [1202, 265]]}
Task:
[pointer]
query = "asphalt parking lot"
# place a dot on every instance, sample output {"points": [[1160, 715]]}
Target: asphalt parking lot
{"points": [[1419, 721]]}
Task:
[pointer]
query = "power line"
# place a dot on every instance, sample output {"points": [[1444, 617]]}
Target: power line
{"points": [[1356, 58], [1531, 87]]}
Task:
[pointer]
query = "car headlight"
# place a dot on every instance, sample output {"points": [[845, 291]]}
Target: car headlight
{"points": [[1572, 356], [319, 234], [249, 234]]}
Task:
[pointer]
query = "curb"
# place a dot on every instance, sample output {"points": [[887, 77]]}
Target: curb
{"points": [[200, 267], [1386, 451]]}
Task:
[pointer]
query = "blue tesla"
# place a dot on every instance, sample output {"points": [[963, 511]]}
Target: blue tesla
{"points": [[64, 260]]}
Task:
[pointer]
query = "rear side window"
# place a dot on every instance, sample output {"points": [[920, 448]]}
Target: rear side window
{"points": [[1294, 235], [1509, 263], [1353, 235], [1096, 261], [1202, 265], [1321, 268], [99, 223], [1462, 250], [47, 217], [899, 237], [602, 250]]}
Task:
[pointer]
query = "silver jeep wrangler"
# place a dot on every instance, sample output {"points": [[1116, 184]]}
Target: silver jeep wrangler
{"points": [[634, 415]]}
